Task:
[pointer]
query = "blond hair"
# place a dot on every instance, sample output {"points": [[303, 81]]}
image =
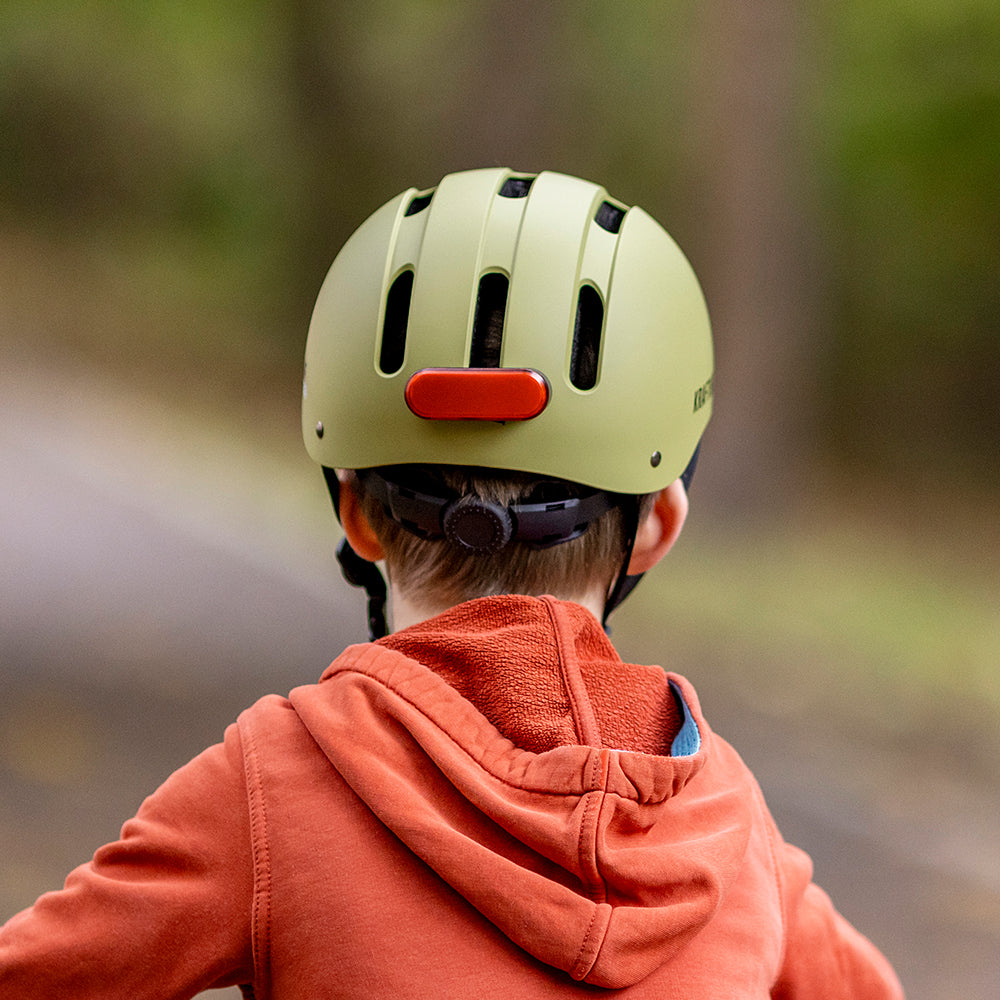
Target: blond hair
{"points": [[432, 571]]}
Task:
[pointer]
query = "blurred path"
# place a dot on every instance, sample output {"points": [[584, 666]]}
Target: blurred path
{"points": [[906, 843], [159, 571]]}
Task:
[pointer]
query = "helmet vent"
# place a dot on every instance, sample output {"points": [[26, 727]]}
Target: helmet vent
{"points": [[586, 338], [487, 329], [609, 217], [397, 316], [516, 187], [419, 203]]}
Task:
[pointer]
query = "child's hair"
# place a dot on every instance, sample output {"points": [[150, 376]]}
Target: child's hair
{"points": [[431, 571]]}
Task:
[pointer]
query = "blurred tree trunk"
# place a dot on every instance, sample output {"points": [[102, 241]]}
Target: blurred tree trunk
{"points": [[339, 138], [756, 252], [506, 110]]}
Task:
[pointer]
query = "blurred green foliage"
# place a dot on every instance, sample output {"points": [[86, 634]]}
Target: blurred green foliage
{"points": [[236, 144], [908, 122], [153, 125]]}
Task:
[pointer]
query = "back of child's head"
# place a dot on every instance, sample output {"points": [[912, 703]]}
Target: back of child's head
{"points": [[450, 573], [507, 363]]}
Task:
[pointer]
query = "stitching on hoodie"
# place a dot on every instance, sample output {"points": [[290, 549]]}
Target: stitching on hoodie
{"points": [[779, 881], [261, 912], [575, 971], [585, 945], [596, 886], [585, 819]]}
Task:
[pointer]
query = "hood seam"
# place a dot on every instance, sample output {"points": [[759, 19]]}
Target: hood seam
{"points": [[589, 943], [586, 841], [584, 720]]}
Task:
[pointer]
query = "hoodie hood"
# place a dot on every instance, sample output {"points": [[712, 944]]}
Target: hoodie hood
{"points": [[578, 803]]}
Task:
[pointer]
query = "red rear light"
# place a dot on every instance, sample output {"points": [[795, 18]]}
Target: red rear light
{"points": [[477, 393]]}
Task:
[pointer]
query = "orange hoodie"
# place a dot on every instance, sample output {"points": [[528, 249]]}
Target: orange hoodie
{"points": [[490, 802]]}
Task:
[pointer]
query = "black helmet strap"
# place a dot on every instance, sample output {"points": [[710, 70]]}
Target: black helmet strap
{"points": [[482, 526], [626, 582], [360, 572]]}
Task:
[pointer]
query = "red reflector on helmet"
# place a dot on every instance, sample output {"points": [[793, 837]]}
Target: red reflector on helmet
{"points": [[477, 393]]}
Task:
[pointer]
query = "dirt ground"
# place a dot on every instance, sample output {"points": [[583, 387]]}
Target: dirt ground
{"points": [[149, 594]]}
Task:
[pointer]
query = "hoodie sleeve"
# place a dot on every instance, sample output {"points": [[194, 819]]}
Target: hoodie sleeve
{"points": [[163, 912], [825, 957]]}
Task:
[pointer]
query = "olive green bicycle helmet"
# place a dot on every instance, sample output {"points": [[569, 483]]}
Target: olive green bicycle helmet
{"points": [[516, 322]]}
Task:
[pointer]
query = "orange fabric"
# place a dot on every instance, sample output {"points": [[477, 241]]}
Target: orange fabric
{"points": [[408, 827], [518, 671]]}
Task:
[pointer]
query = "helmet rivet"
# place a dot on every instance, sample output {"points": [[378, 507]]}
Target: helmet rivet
{"points": [[655, 459], [319, 429]]}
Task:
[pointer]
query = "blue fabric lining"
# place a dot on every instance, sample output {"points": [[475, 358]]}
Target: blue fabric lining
{"points": [[688, 740]]}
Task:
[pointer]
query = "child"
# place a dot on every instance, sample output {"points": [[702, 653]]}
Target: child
{"points": [[507, 378]]}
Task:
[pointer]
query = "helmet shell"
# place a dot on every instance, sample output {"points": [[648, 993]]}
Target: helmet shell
{"points": [[633, 430]]}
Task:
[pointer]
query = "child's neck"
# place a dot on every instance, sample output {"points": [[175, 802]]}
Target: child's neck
{"points": [[403, 612]]}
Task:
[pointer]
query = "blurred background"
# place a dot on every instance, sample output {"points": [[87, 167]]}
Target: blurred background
{"points": [[175, 178]]}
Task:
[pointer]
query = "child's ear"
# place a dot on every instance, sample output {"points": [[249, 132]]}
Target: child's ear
{"points": [[659, 529], [359, 532]]}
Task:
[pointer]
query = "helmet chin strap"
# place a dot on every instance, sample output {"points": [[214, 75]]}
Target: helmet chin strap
{"points": [[360, 572], [625, 582]]}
